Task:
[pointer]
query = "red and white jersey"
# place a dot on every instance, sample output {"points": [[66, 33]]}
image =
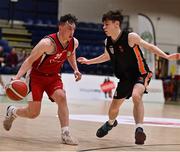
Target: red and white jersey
{"points": [[52, 63]]}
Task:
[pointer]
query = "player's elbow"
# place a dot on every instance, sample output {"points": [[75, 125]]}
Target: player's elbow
{"points": [[106, 57], [151, 47]]}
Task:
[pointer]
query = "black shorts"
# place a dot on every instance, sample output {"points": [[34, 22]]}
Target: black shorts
{"points": [[125, 87]]}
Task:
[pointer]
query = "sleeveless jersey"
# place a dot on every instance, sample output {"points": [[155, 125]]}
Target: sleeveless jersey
{"points": [[128, 62], [50, 64]]}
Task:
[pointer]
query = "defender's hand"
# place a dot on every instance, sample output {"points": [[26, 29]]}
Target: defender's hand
{"points": [[83, 60], [77, 75], [174, 56]]}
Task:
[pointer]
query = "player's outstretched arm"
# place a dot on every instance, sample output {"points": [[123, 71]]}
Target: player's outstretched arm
{"points": [[135, 39], [100, 59]]}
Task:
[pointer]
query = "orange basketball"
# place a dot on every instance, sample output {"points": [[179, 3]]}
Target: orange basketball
{"points": [[16, 90]]}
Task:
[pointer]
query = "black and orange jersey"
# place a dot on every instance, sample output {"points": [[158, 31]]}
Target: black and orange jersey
{"points": [[128, 62]]}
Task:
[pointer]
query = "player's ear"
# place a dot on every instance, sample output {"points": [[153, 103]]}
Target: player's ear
{"points": [[117, 24]]}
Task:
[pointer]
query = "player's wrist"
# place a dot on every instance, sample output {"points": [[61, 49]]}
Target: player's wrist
{"points": [[75, 71]]}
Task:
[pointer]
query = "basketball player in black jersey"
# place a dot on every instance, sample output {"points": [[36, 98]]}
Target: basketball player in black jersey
{"points": [[129, 66]]}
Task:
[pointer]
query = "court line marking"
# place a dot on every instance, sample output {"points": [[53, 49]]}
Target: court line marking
{"points": [[148, 121]]}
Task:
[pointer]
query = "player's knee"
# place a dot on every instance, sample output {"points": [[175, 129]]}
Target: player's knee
{"points": [[61, 98], [61, 101], [136, 97]]}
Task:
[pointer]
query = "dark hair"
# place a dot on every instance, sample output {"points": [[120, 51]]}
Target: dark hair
{"points": [[113, 16], [68, 17]]}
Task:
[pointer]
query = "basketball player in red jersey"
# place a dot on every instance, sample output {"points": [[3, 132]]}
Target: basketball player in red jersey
{"points": [[42, 68], [129, 66]]}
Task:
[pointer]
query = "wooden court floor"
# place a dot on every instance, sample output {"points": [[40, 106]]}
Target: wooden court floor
{"points": [[43, 133]]}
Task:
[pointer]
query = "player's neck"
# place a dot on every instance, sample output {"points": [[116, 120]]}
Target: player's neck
{"points": [[116, 34], [62, 40]]}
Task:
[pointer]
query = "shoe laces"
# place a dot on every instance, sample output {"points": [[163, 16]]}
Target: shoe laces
{"points": [[107, 126], [68, 139], [10, 114]]}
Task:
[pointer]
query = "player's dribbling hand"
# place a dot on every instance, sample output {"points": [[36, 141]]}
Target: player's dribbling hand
{"points": [[14, 78], [77, 75], [83, 60], [174, 56]]}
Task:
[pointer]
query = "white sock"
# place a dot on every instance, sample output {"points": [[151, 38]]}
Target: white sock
{"points": [[111, 122], [139, 125], [64, 129]]}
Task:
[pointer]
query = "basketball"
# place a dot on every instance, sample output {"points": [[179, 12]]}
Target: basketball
{"points": [[16, 90]]}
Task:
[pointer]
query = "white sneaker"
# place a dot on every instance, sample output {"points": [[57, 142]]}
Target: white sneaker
{"points": [[68, 139], [7, 123]]}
